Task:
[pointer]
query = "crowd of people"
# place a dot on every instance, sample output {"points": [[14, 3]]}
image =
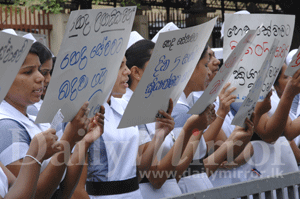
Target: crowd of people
{"points": [[179, 153]]}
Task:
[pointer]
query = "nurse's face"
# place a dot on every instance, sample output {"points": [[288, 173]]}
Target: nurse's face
{"points": [[45, 69], [121, 84], [27, 87], [282, 81], [213, 63], [201, 75]]}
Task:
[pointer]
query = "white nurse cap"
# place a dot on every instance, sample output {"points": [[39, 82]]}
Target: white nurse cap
{"points": [[134, 37], [30, 36], [10, 31], [169, 27]]}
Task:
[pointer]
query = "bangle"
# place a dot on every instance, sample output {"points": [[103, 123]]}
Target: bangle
{"points": [[219, 116], [34, 159]]}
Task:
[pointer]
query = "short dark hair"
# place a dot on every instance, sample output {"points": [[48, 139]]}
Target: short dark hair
{"points": [[138, 54], [41, 51], [204, 52]]}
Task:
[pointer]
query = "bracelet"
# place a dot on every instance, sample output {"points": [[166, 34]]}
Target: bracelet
{"points": [[34, 159], [219, 116]]}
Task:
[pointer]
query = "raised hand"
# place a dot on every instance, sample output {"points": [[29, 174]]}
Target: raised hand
{"points": [[96, 127], [293, 86], [44, 145], [201, 121], [166, 123], [264, 106], [225, 100], [78, 126], [241, 135]]}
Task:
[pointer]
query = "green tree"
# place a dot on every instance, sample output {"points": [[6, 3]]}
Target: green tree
{"points": [[56, 6]]}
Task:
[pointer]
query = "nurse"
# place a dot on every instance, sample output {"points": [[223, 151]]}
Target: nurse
{"points": [[18, 129], [45, 57], [25, 185], [160, 181], [112, 158], [195, 178]]}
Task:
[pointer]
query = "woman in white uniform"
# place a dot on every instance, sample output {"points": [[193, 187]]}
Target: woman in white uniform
{"points": [[18, 129], [25, 185], [270, 152], [112, 158], [46, 59], [156, 184], [196, 176], [138, 56]]}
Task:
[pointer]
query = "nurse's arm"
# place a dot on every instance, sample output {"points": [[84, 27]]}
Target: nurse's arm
{"points": [[270, 128], [233, 146], [24, 186], [77, 160]]}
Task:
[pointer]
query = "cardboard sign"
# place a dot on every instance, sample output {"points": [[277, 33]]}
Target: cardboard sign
{"points": [[222, 76], [170, 67], [249, 103], [88, 61], [294, 64], [13, 52], [274, 26]]}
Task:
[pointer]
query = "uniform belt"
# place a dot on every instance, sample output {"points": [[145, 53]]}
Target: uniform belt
{"points": [[112, 187]]}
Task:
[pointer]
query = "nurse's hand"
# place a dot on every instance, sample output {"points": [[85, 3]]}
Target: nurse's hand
{"points": [[77, 128], [44, 145], [201, 121], [225, 100], [96, 127], [264, 106], [293, 86], [166, 123], [241, 135]]}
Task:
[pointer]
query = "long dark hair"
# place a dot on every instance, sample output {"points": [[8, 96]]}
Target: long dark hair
{"points": [[138, 54]]}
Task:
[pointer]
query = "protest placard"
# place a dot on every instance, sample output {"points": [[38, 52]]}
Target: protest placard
{"points": [[13, 51], [274, 26], [222, 76], [174, 58], [88, 61], [294, 64], [249, 103]]}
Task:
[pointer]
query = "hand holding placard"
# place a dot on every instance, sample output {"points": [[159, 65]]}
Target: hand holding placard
{"points": [[222, 76], [170, 67], [87, 64], [274, 26], [249, 103]]}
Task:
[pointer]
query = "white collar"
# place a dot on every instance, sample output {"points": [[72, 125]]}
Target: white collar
{"points": [[9, 111], [193, 96], [183, 100], [114, 104], [127, 95]]}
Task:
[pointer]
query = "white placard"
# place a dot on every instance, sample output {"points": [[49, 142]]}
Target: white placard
{"points": [[249, 103], [88, 61], [174, 58], [274, 26], [222, 76], [13, 52], [294, 64]]}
